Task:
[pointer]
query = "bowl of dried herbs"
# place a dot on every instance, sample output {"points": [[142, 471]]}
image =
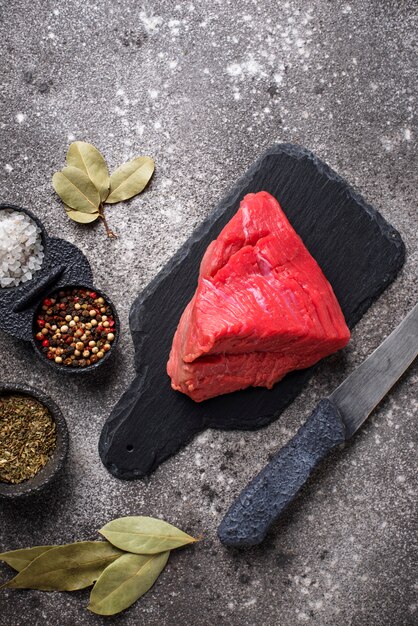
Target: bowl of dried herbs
{"points": [[33, 441]]}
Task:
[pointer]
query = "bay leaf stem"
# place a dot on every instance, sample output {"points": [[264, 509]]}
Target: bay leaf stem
{"points": [[109, 232]]}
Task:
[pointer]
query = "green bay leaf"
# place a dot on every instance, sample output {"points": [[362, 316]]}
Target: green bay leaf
{"points": [[124, 581], [19, 559], [76, 190], [80, 217], [144, 535], [130, 179], [66, 568], [87, 158]]}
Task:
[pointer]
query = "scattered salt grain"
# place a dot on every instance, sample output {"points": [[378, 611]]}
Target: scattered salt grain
{"points": [[21, 249]]}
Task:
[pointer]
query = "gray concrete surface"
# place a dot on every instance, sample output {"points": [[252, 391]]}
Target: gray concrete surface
{"points": [[204, 88]]}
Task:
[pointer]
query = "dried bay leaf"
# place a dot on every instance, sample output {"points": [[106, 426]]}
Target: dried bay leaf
{"points": [[80, 217], [130, 179], [76, 190], [87, 158], [124, 581], [144, 535], [66, 568], [19, 559]]}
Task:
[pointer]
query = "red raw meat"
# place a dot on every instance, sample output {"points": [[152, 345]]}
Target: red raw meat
{"points": [[261, 309]]}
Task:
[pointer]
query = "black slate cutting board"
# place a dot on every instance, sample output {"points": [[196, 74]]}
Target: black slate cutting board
{"points": [[358, 251]]}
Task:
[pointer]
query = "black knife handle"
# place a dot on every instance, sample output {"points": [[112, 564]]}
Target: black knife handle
{"points": [[271, 491]]}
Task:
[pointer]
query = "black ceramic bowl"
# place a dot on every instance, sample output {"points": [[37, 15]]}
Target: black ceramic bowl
{"points": [[47, 475], [88, 368], [13, 207]]}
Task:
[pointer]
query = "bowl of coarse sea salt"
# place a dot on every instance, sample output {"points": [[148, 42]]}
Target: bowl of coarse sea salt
{"points": [[22, 246], [35, 272]]}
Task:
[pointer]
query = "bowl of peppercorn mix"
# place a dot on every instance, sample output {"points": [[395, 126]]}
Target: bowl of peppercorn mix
{"points": [[75, 329], [33, 441]]}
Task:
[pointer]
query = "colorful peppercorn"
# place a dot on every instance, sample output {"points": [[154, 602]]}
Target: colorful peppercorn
{"points": [[75, 327]]}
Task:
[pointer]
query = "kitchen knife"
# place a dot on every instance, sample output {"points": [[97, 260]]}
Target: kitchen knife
{"points": [[334, 420]]}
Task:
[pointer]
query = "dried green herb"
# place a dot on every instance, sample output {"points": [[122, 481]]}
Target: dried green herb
{"points": [[80, 217], [84, 186], [19, 559], [124, 581], [66, 568], [27, 437], [88, 159], [121, 576], [75, 188], [144, 535], [130, 179]]}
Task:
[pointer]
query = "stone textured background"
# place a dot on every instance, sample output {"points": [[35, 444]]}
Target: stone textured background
{"points": [[204, 88]]}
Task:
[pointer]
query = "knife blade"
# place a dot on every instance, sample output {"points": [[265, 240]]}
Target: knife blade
{"points": [[333, 421]]}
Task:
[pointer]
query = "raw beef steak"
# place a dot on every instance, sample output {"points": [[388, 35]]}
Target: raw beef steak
{"points": [[261, 309]]}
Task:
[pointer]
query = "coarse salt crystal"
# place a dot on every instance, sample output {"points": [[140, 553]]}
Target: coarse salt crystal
{"points": [[21, 249]]}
